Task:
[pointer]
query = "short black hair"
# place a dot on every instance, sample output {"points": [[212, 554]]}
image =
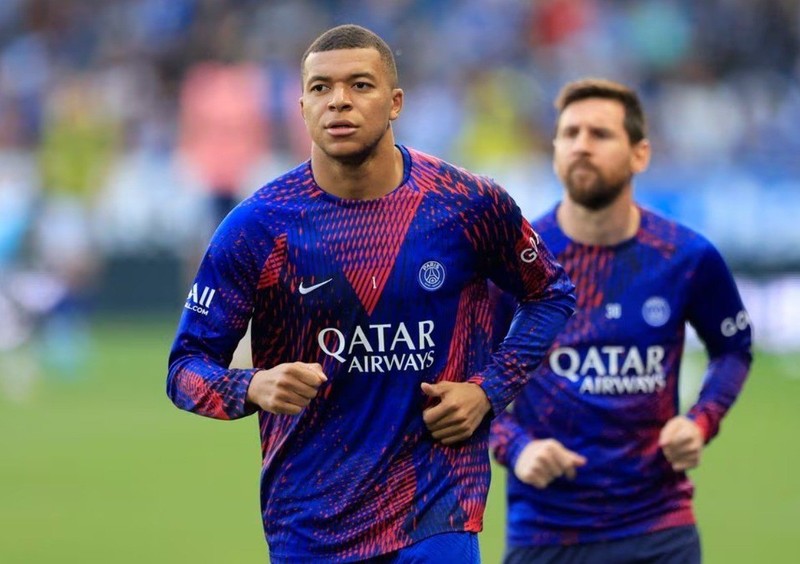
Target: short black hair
{"points": [[635, 122], [351, 36]]}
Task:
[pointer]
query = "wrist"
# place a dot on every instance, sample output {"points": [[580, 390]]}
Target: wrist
{"points": [[486, 405]]}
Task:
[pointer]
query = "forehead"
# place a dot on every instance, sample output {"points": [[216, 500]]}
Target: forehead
{"points": [[593, 112], [343, 63]]}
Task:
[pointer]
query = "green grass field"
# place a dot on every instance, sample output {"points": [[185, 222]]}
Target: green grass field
{"points": [[104, 469]]}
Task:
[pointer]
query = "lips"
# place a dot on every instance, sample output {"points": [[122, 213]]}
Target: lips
{"points": [[582, 166], [340, 128]]}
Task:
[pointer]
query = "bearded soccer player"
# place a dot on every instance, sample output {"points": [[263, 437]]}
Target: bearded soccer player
{"points": [[596, 448], [364, 271]]}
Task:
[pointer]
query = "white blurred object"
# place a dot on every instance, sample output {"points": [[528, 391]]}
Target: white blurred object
{"points": [[25, 299], [16, 328], [773, 305]]}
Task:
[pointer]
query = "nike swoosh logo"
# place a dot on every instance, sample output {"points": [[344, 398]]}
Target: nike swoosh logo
{"points": [[307, 290]]}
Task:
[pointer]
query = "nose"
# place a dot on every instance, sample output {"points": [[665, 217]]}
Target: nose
{"points": [[581, 142], [340, 99]]}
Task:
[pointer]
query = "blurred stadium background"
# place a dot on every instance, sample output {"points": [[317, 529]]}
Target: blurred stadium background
{"points": [[128, 127]]}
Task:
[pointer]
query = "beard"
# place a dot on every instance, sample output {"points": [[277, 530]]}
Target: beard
{"points": [[587, 186]]}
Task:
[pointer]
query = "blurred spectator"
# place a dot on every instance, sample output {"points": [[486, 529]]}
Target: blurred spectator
{"points": [[495, 133], [223, 131], [142, 113], [79, 143]]}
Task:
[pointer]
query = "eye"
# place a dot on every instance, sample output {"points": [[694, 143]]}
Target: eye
{"points": [[362, 85], [317, 88], [569, 132]]}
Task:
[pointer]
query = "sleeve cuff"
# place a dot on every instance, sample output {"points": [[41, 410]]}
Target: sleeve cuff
{"points": [[515, 448], [701, 420], [243, 377]]}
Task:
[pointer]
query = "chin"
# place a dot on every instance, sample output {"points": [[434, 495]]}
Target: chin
{"points": [[349, 152]]}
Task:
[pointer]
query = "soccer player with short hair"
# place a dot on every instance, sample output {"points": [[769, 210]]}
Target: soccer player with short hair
{"points": [[596, 448], [364, 271]]}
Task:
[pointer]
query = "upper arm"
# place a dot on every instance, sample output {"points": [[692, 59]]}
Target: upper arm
{"points": [[715, 308], [220, 301], [517, 260]]}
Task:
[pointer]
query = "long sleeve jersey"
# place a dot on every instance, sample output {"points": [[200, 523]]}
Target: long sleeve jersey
{"points": [[610, 383], [385, 294]]}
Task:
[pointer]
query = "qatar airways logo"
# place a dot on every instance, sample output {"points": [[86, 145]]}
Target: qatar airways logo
{"points": [[381, 347], [612, 370]]}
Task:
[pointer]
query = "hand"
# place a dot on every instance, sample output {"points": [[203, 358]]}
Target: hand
{"points": [[682, 441], [286, 388], [542, 461], [461, 408]]}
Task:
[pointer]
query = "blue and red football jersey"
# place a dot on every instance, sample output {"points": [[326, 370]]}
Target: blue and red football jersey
{"points": [[610, 383], [385, 294]]}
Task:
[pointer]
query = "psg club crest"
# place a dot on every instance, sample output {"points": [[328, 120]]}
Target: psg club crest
{"points": [[656, 311], [431, 275]]}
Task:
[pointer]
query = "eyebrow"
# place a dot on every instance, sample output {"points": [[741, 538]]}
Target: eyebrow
{"points": [[592, 128], [354, 76]]}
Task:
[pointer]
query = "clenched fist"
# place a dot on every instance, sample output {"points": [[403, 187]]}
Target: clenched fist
{"points": [[682, 442], [542, 461], [286, 388], [460, 408]]}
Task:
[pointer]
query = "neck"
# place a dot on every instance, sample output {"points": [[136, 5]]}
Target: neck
{"points": [[608, 226], [359, 179]]}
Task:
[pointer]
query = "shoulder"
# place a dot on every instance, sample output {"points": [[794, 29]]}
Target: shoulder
{"points": [[273, 205], [672, 236], [474, 198], [288, 190], [283, 196], [433, 174], [685, 249]]}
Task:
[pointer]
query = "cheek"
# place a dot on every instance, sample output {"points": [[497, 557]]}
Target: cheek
{"points": [[311, 111], [559, 165], [625, 165], [619, 173]]}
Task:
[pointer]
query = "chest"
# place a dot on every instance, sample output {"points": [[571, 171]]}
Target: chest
{"points": [[366, 258], [629, 296]]}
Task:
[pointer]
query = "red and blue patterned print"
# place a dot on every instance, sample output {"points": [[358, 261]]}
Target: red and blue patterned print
{"points": [[610, 383], [385, 294]]}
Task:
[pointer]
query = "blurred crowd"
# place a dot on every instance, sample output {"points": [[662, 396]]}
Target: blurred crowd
{"points": [[130, 127]]}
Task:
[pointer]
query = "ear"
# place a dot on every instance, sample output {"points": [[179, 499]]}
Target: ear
{"points": [[640, 156], [397, 103], [302, 108]]}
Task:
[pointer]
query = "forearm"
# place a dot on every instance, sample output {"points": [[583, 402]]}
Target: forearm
{"points": [[532, 331], [198, 385], [722, 384]]}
